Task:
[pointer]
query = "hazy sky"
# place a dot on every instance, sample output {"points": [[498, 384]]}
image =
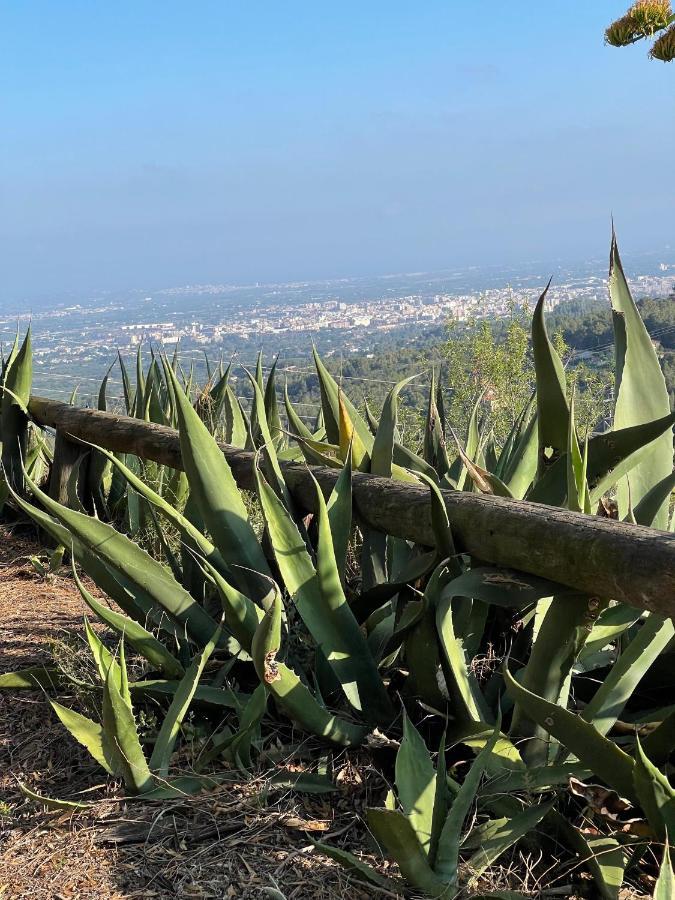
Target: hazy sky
{"points": [[151, 144]]}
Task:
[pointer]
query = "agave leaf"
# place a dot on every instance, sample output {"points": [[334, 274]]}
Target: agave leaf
{"points": [[593, 750], [404, 459], [179, 788], [129, 399], [417, 568], [505, 837], [142, 640], [504, 457], [349, 657], [483, 480], [126, 557], [383, 445], [349, 861], [505, 758], [99, 467], [52, 802], [373, 558], [552, 409], [640, 391], [30, 679], [658, 744], [480, 833], [611, 623], [296, 424], [463, 686], [618, 686], [565, 627], [17, 378], [519, 470], [471, 447], [166, 739], [426, 680], [665, 885], [121, 737], [339, 509], [603, 856], [648, 509], [320, 600], [654, 791], [102, 656], [267, 441], [646, 438], [216, 493], [441, 802], [139, 402], [394, 832], [303, 782], [86, 732], [529, 780], [289, 692], [330, 407], [236, 746], [416, 783], [611, 455], [440, 522], [490, 452], [242, 615], [236, 431], [329, 399], [217, 395], [435, 452], [576, 480], [500, 587], [205, 694], [6, 362], [447, 857], [349, 441], [371, 418]]}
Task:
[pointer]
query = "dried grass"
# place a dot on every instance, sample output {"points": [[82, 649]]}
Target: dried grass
{"points": [[240, 840]]}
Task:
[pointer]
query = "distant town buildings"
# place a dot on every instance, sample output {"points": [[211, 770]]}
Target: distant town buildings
{"points": [[340, 317]]}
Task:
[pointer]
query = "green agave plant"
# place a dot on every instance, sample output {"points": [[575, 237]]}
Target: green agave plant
{"points": [[422, 825], [114, 742], [425, 624], [20, 444]]}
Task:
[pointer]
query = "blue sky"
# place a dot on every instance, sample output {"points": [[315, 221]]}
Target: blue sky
{"points": [[150, 144]]}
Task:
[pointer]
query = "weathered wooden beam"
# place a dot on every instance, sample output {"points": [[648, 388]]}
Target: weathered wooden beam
{"points": [[597, 556], [67, 454]]}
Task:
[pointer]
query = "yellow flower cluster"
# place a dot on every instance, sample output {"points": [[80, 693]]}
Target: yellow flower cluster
{"points": [[650, 15], [643, 19]]}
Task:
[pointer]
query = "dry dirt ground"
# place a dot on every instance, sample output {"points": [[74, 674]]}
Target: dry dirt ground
{"points": [[243, 840], [240, 841]]}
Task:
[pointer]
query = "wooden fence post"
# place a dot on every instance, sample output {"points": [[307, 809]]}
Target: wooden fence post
{"points": [[67, 456]]}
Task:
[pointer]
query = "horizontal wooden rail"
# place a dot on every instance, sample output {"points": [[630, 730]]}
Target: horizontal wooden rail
{"points": [[598, 556]]}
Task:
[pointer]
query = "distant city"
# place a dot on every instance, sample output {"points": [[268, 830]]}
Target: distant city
{"points": [[75, 342]]}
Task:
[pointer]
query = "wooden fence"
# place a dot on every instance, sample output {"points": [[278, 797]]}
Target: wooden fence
{"points": [[595, 555]]}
